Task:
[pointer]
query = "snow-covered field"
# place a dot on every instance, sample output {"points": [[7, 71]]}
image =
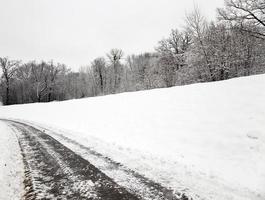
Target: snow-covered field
{"points": [[11, 166], [206, 139]]}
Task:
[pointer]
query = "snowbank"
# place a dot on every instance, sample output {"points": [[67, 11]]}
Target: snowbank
{"points": [[11, 165], [209, 138]]}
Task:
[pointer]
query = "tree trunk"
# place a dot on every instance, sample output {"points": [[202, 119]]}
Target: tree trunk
{"points": [[101, 82], [50, 94], [7, 94]]}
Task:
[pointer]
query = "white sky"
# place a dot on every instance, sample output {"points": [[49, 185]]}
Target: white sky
{"points": [[75, 32]]}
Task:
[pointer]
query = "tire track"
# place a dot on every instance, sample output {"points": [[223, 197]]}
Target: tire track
{"points": [[53, 171], [134, 182]]}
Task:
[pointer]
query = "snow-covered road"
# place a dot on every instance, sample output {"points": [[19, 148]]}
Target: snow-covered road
{"points": [[52, 170]]}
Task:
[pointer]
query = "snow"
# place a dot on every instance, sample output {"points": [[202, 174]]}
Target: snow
{"points": [[206, 139], [11, 165]]}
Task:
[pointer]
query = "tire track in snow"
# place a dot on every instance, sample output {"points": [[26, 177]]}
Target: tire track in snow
{"points": [[55, 172], [132, 181]]}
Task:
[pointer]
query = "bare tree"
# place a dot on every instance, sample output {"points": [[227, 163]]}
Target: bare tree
{"points": [[249, 15], [53, 73], [172, 55], [140, 69], [23, 79], [198, 27], [115, 56], [40, 76], [99, 71], [8, 68]]}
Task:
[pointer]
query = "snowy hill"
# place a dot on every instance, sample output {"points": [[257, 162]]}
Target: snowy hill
{"points": [[207, 139]]}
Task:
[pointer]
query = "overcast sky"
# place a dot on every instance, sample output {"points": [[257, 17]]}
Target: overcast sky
{"points": [[75, 32]]}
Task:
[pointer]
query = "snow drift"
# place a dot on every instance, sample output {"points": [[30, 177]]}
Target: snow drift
{"points": [[208, 139]]}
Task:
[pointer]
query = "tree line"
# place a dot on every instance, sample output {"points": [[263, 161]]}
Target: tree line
{"points": [[232, 46]]}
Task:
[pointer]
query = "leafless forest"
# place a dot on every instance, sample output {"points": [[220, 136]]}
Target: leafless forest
{"points": [[202, 51]]}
